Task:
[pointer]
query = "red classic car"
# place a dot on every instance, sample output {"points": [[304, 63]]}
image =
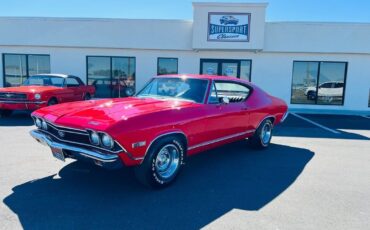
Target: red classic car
{"points": [[43, 90], [172, 117]]}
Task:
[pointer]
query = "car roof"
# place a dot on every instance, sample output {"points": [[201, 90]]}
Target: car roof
{"points": [[203, 76], [53, 75]]}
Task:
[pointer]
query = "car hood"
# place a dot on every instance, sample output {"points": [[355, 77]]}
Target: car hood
{"points": [[100, 114], [28, 89]]}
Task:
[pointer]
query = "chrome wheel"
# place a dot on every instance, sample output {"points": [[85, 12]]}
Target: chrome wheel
{"points": [[266, 133], [167, 161]]}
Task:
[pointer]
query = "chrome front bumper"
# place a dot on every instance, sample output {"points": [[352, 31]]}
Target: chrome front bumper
{"points": [[76, 151]]}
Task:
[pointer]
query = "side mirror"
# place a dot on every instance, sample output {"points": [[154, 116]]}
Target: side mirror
{"points": [[225, 100]]}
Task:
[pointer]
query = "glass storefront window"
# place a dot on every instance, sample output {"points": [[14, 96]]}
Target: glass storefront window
{"points": [[18, 67], [123, 73], [210, 68], [304, 82], [99, 75], [245, 70], [167, 66], [227, 67], [38, 64], [111, 76], [320, 83], [331, 83]]}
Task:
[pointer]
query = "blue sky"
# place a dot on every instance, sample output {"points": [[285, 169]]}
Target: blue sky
{"points": [[278, 10]]}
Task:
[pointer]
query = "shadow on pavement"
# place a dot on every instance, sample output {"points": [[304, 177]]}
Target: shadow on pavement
{"points": [[17, 119], [341, 121], [210, 185], [296, 127]]}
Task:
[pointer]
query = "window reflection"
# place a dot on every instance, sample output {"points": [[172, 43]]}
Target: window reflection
{"points": [[318, 83], [245, 70], [15, 67], [98, 75], [331, 83], [112, 76], [167, 66]]}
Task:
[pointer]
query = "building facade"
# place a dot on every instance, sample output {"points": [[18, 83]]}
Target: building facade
{"points": [[319, 67]]}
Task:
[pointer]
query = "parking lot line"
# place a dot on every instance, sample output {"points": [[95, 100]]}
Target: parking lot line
{"points": [[314, 123]]}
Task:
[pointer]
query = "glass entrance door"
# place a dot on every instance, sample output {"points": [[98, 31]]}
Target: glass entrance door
{"points": [[230, 69], [226, 67]]}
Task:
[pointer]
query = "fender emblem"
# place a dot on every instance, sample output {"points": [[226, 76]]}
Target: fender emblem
{"points": [[138, 144], [94, 123]]}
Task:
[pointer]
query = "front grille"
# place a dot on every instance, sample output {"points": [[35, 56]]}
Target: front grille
{"points": [[13, 96], [78, 136], [74, 136]]}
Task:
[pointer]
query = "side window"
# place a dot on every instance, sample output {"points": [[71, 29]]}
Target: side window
{"points": [[72, 82], [234, 91], [213, 99], [326, 85]]}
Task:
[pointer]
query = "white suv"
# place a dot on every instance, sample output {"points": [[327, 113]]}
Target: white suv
{"points": [[330, 89]]}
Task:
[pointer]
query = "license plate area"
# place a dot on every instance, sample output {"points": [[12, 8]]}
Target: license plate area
{"points": [[58, 153]]}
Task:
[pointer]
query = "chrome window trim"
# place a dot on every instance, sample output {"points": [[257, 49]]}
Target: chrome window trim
{"points": [[205, 93], [233, 82], [220, 139], [210, 93]]}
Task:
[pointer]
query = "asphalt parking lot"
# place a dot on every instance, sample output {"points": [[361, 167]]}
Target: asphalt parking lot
{"points": [[315, 175]]}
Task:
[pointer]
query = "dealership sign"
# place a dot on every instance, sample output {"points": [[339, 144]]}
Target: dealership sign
{"points": [[230, 27]]}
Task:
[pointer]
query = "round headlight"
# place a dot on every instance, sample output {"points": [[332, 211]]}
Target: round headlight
{"points": [[38, 123], [94, 138], [44, 125], [107, 141], [37, 96]]}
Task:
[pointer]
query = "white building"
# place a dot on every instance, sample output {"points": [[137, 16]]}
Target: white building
{"points": [[321, 67]]}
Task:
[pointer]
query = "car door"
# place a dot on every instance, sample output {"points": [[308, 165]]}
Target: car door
{"points": [[227, 120], [76, 92]]}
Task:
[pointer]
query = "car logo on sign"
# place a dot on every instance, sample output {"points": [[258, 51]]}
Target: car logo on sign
{"points": [[61, 134]]}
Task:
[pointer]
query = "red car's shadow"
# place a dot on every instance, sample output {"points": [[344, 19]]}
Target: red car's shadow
{"points": [[212, 184], [21, 118]]}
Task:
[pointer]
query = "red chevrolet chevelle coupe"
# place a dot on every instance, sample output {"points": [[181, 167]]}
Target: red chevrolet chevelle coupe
{"points": [[43, 90], [172, 117]]}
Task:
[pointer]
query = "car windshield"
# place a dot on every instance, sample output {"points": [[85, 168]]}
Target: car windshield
{"points": [[175, 88], [43, 80]]}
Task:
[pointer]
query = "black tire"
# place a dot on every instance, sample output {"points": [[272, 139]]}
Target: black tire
{"points": [[149, 174], [311, 95], [5, 112], [259, 140], [52, 101], [87, 97]]}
